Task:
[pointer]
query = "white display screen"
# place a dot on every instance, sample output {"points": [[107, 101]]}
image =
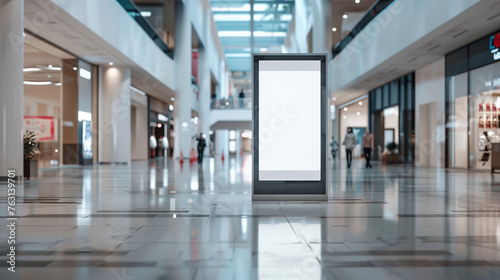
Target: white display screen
{"points": [[289, 120]]}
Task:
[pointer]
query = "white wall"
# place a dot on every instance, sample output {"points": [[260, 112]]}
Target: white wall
{"points": [[139, 126], [321, 36], [108, 24], [299, 28], [114, 114], [204, 25], [11, 95], [430, 114], [391, 33]]}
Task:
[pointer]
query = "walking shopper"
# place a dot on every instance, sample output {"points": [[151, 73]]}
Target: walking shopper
{"points": [[335, 147], [367, 147], [349, 144], [201, 146]]}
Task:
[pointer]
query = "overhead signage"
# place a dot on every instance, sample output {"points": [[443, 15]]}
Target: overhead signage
{"points": [[484, 51], [495, 45]]}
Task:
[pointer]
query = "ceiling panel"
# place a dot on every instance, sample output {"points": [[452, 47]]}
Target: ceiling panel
{"points": [[271, 19]]}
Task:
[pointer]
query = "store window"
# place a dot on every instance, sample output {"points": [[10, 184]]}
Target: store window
{"points": [[472, 103], [58, 92], [43, 100], [391, 130], [392, 121], [457, 125], [485, 112], [355, 116]]}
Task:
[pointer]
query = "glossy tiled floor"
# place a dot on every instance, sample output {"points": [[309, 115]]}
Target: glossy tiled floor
{"points": [[156, 220]]}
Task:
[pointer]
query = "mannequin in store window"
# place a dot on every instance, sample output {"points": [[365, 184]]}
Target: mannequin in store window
{"points": [[484, 142]]}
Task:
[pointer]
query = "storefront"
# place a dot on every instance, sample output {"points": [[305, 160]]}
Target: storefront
{"points": [[161, 129], [59, 103], [392, 120], [473, 103], [353, 114]]}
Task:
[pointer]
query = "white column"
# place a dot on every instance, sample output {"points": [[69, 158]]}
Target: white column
{"points": [[11, 92], [204, 80], [321, 28], [183, 94], [114, 115], [222, 140]]}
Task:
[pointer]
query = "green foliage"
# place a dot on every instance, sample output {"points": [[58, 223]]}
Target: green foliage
{"points": [[392, 146], [29, 145]]}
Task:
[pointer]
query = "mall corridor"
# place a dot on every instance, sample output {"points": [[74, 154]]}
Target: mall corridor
{"points": [[249, 139], [159, 219]]}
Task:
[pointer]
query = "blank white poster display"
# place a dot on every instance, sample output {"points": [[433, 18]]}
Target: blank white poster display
{"points": [[289, 127], [290, 120]]}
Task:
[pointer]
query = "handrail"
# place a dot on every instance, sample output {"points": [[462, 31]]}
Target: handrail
{"points": [[135, 13], [234, 103], [372, 13]]}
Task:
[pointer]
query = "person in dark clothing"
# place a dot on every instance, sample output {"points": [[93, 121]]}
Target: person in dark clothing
{"points": [[349, 143], [335, 147], [367, 147], [241, 98], [201, 146]]}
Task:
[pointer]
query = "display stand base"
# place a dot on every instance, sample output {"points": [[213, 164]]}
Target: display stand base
{"points": [[289, 197]]}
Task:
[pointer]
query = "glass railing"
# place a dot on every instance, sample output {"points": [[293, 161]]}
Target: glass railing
{"points": [[134, 12], [372, 13], [236, 103]]}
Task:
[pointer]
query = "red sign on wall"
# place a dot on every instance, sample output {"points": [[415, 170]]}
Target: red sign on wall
{"points": [[43, 126]]}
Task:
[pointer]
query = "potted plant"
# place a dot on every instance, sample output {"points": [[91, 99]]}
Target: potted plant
{"points": [[30, 161], [391, 147]]}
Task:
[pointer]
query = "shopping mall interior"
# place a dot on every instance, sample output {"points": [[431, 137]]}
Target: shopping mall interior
{"points": [[210, 139]]}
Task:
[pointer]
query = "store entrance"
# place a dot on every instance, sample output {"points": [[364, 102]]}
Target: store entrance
{"points": [[50, 99], [391, 135]]}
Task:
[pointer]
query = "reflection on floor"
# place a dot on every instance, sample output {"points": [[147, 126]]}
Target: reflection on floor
{"points": [[158, 220]]}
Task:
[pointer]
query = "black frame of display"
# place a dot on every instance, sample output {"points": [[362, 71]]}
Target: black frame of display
{"points": [[289, 190]]}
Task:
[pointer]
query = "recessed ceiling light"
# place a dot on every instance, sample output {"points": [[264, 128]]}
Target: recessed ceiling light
{"points": [[75, 68], [172, 99], [358, 113], [171, 107], [334, 29], [238, 55], [31, 69], [111, 63], [334, 98], [356, 1], [360, 103], [37, 83], [345, 109], [344, 16], [50, 65]]}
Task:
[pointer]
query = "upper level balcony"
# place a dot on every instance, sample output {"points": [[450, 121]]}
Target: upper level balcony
{"points": [[231, 114]]}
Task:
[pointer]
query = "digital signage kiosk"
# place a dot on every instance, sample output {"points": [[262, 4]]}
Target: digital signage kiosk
{"points": [[289, 127]]}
